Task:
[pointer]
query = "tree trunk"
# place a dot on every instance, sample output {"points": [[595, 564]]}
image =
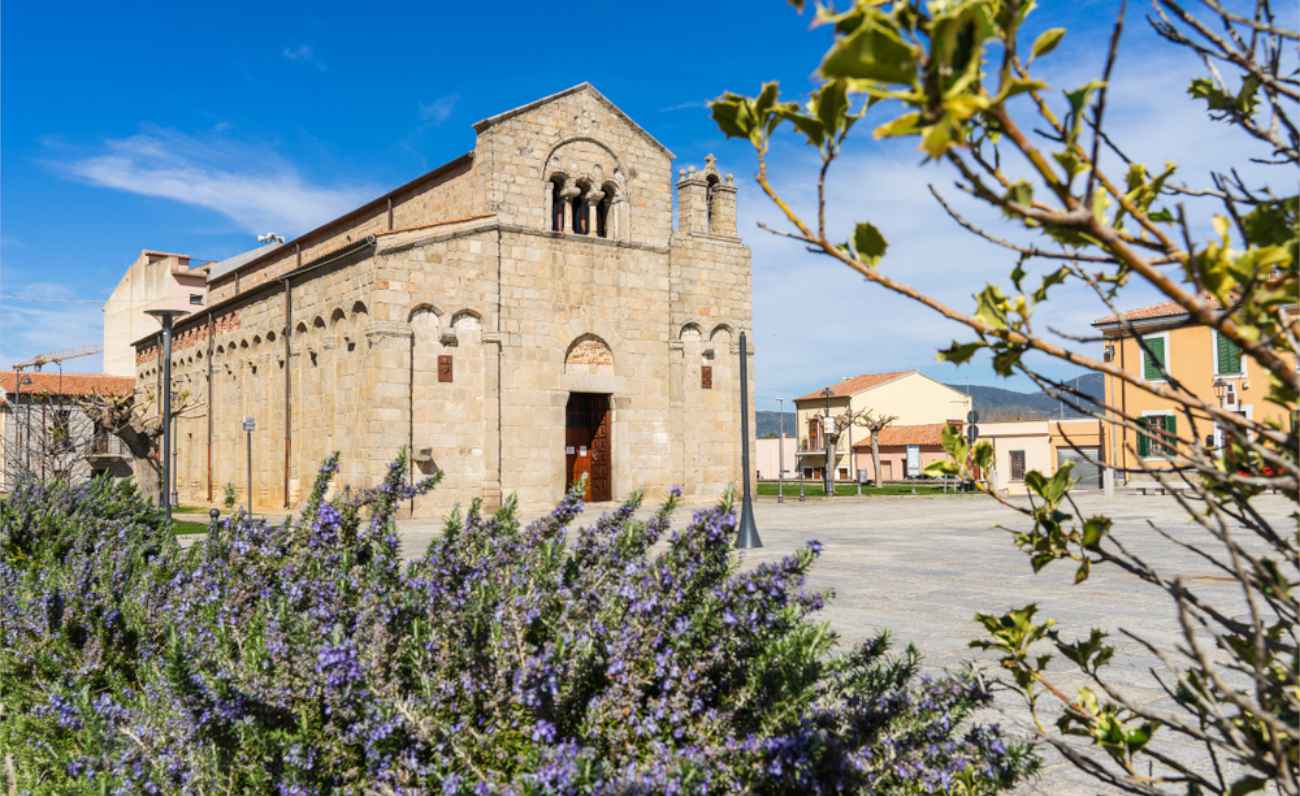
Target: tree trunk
{"points": [[875, 459]]}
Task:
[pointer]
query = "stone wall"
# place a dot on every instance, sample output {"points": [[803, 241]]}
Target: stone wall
{"points": [[462, 337]]}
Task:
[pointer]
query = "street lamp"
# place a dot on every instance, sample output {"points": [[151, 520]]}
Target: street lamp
{"points": [[166, 317], [747, 533], [780, 451], [826, 432]]}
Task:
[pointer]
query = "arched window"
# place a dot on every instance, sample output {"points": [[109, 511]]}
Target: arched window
{"points": [[581, 224], [603, 219], [557, 204]]}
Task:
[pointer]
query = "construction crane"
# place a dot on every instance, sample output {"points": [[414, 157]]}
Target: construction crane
{"points": [[41, 360], [36, 363]]}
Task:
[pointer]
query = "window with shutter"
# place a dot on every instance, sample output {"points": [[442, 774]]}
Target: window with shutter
{"points": [[1228, 356], [1171, 434], [706, 377], [444, 368], [1144, 441], [1153, 358]]}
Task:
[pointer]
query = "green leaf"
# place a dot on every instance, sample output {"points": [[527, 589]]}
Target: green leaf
{"points": [[1247, 784], [1046, 42], [907, 124], [833, 107], [870, 244], [959, 353], [872, 52]]}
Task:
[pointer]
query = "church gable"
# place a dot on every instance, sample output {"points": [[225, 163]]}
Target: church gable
{"points": [[573, 162]]}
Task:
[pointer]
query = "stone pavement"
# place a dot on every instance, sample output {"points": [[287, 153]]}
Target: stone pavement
{"points": [[922, 566]]}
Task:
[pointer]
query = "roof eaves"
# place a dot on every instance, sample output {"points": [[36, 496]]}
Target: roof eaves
{"points": [[372, 204]]}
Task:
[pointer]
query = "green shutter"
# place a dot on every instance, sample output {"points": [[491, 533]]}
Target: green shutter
{"points": [[1153, 358], [1144, 441], [1171, 434], [1229, 356]]}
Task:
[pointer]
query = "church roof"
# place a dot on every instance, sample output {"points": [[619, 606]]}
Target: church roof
{"points": [[483, 124], [223, 267]]}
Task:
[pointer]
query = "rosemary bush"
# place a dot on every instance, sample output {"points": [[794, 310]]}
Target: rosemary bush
{"points": [[309, 658]]}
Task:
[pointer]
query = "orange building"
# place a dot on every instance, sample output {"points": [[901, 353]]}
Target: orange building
{"points": [[1169, 349]]}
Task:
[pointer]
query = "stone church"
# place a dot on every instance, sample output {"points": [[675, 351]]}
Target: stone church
{"points": [[521, 316]]}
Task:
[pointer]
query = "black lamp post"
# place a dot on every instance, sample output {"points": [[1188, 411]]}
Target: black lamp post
{"points": [[747, 533], [166, 317]]}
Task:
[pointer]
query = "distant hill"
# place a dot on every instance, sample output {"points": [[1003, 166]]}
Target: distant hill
{"points": [[993, 403], [769, 424]]}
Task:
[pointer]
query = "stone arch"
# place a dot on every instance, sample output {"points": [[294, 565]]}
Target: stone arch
{"points": [[690, 331], [301, 328], [466, 319], [337, 315], [548, 168], [318, 323], [423, 308], [243, 344], [588, 352], [722, 333], [359, 308], [270, 337], [257, 340]]}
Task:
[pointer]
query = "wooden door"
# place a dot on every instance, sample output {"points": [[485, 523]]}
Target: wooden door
{"points": [[601, 487], [587, 445]]}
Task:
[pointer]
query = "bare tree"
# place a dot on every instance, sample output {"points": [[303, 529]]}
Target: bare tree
{"points": [[874, 422], [136, 420], [957, 77], [48, 439]]}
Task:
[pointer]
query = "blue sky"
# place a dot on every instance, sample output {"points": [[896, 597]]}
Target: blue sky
{"points": [[165, 125]]}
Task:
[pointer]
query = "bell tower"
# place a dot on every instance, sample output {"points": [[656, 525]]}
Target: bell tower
{"points": [[706, 202]]}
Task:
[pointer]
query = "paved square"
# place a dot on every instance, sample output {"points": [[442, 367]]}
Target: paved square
{"points": [[922, 566]]}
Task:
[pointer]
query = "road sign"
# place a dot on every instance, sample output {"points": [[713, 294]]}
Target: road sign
{"points": [[972, 417], [972, 433], [249, 424]]}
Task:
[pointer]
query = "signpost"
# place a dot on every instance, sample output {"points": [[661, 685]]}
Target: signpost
{"points": [[249, 425]]}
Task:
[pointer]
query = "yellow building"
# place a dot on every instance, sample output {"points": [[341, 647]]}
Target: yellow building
{"points": [[911, 397], [1171, 350]]}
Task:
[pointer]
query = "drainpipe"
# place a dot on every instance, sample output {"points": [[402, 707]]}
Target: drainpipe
{"points": [[211, 406], [288, 404]]}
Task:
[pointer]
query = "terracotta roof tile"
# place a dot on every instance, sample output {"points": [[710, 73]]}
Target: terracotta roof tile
{"points": [[856, 384], [1165, 309], [72, 383], [929, 434]]}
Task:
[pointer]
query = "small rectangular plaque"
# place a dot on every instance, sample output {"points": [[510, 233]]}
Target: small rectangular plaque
{"points": [[444, 368], [706, 377]]}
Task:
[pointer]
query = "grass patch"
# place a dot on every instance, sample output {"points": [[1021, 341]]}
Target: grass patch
{"points": [[183, 527], [815, 489]]}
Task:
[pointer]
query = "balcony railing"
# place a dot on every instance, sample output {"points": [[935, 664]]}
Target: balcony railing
{"points": [[106, 444]]}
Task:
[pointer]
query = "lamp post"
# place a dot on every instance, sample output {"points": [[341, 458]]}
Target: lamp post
{"points": [[747, 533], [830, 451], [780, 451], [166, 317]]}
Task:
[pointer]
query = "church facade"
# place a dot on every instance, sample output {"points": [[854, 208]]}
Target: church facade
{"points": [[524, 315]]}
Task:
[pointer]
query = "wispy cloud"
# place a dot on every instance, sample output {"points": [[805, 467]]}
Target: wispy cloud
{"points": [[440, 110], [685, 106], [249, 184], [304, 53], [43, 317]]}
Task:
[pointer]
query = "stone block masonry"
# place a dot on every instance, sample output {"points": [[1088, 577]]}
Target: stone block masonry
{"points": [[459, 315]]}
